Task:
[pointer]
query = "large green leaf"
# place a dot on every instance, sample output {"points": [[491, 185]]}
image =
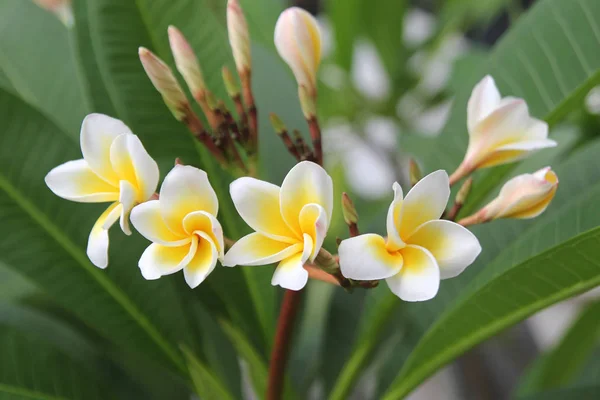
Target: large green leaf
{"points": [[541, 263], [44, 238], [40, 63], [562, 363], [549, 58], [30, 368]]}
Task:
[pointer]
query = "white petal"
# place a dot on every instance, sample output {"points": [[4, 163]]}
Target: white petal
{"points": [[148, 221], [426, 201], [256, 249], [395, 214], [290, 273], [203, 262], [306, 183], [453, 246], [257, 202], [366, 258], [97, 134], [484, 99], [127, 200], [184, 190], [158, 260], [508, 123], [314, 222], [97, 247], [131, 162], [201, 221], [75, 181], [528, 145], [419, 278]]}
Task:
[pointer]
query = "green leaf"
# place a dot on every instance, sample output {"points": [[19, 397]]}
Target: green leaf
{"points": [[207, 384], [540, 263], [579, 393], [40, 63], [562, 363], [345, 16]]}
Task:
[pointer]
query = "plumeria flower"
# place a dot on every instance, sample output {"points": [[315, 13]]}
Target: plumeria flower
{"points": [[183, 227], [420, 248], [524, 196], [115, 168], [290, 222], [500, 130]]}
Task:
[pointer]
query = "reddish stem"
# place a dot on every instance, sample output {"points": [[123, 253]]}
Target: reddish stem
{"points": [[283, 335], [315, 135]]}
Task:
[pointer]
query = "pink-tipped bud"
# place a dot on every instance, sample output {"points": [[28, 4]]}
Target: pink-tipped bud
{"points": [[298, 41], [61, 8], [231, 85], [348, 210], [239, 38], [524, 196], [186, 61], [164, 81]]}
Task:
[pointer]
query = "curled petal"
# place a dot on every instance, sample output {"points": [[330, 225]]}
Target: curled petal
{"points": [[426, 201], [419, 278], [484, 99], [158, 260], [257, 202], [97, 247], [306, 183], [97, 134], [290, 273], [202, 222], [186, 189], [75, 181], [453, 246], [394, 214], [148, 221], [203, 262], [257, 249], [131, 162], [127, 198], [313, 221], [366, 258]]}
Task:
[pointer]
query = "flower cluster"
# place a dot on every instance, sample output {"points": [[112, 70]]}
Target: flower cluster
{"points": [[423, 244]]}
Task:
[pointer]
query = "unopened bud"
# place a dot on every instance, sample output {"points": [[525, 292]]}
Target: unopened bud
{"points": [[239, 38], [414, 172], [61, 8], [186, 61], [308, 103], [298, 41], [164, 81], [233, 90], [211, 101], [463, 192], [524, 196], [277, 124], [348, 209]]}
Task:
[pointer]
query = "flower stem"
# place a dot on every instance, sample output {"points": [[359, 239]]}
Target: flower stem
{"points": [[281, 347]]}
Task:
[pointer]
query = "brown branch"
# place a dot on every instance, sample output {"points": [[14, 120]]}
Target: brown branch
{"points": [[315, 135], [195, 126], [283, 336]]}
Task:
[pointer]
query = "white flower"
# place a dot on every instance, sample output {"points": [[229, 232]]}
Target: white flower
{"points": [[524, 196], [420, 248], [500, 130], [183, 227], [298, 41], [290, 222], [115, 168]]}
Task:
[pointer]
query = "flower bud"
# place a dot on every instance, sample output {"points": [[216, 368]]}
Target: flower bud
{"points": [[414, 172], [239, 38], [233, 90], [164, 81], [277, 123], [524, 196], [61, 8], [298, 41], [501, 130], [348, 209], [186, 61]]}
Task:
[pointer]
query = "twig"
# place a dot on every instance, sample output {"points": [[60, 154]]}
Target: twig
{"points": [[315, 135], [195, 126]]}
